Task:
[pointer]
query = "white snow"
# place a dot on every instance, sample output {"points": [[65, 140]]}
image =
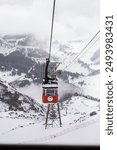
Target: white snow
{"points": [[91, 85], [78, 127], [74, 67], [6, 75], [86, 135], [6, 51], [3, 106], [19, 131]]}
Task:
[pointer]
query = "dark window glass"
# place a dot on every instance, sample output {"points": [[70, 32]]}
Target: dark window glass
{"points": [[56, 91], [44, 92], [50, 92]]}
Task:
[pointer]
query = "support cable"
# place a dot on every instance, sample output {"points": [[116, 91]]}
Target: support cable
{"points": [[82, 50], [52, 28]]}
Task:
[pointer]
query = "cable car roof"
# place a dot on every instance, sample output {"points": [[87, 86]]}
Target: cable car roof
{"points": [[50, 85]]}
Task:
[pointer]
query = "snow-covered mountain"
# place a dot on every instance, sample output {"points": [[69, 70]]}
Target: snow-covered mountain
{"points": [[12, 100], [22, 59], [24, 66], [31, 47], [5, 46]]}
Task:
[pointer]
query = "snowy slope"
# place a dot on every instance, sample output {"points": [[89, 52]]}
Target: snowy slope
{"points": [[6, 75], [28, 45], [6, 47], [79, 121], [67, 52], [89, 85], [89, 132], [11, 99]]}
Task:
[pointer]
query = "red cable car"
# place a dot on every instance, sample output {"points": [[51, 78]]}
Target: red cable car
{"points": [[50, 87], [50, 93]]}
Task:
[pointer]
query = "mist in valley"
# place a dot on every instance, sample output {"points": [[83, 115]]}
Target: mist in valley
{"points": [[35, 91]]}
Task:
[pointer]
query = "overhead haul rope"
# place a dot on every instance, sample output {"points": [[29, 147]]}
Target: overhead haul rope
{"points": [[50, 46], [90, 47], [52, 28], [82, 50]]}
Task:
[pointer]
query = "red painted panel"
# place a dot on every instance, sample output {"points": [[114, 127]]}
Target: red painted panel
{"points": [[50, 99]]}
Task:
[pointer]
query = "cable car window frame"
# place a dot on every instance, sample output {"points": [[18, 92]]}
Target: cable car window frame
{"points": [[44, 92], [50, 92], [54, 92]]}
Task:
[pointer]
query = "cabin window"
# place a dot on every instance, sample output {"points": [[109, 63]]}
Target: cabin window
{"points": [[44, 92], [50, 92], [56, 91]]}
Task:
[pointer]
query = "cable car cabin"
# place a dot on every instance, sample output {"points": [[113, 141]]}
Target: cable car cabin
{"points": [[50, 93]]}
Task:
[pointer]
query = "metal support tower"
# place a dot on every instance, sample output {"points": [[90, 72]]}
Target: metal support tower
{"points": [[53, 115]]}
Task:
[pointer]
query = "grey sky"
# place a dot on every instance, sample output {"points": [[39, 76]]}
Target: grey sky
{"points": [[74, 19]]}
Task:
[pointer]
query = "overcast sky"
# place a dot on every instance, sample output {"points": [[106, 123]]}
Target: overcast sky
{"points": [[74, 19]]}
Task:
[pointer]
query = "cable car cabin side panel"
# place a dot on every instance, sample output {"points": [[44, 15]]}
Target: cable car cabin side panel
{"points": [[50, 99], [50, 95]]}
